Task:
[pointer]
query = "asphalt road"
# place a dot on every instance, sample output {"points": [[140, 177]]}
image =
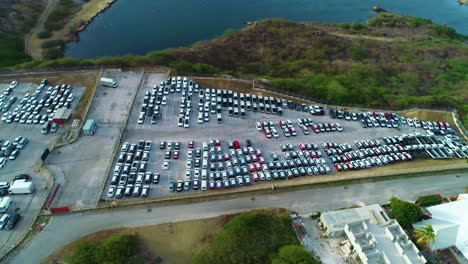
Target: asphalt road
{"points": [[67, 228]]}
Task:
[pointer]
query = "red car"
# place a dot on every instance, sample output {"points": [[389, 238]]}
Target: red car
{"points": [[176, 154], [255, 177], [261, 160], [338, 167], [190, 144], [217, 142], [254, 158], [251, 167], [302, 147], [258, 167], [236, 144], [258, 153]]}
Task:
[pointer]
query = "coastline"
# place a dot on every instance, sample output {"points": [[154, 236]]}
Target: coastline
{"points": [[463, 2], [71, 30]]}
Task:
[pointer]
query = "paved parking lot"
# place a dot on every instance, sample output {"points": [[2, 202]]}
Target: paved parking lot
{"points": [[232, 128], [26, 205]]}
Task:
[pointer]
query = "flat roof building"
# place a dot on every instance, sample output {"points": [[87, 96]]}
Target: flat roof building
{"points": [[375, 238], [450, 224], [61, 115]]}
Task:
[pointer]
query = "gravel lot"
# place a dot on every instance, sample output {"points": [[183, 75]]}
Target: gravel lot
{"points": [[82, 176], [231, 129]]}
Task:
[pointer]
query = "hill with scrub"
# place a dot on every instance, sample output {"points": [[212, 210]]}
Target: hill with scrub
{"points": [[390, 62]]}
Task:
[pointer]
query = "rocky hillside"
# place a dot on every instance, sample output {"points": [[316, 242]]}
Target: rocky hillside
{"points": [[17, 17]]}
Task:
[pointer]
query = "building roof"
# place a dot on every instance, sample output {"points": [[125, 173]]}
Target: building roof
{"points": [[62, 113], [456, 213], [445, 233], [375, 237]]}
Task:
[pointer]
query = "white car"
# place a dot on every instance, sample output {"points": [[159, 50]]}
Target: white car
{"points": [[13, 84], [111, 191], [3, 161], [166, 165], [258, 126]]}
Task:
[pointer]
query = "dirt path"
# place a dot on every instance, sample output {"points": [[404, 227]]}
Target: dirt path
{"points": [[32, 42], [351, 36]]}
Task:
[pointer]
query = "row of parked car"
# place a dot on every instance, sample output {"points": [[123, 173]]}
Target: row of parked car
{"points": [[370, 153], [130, 176], [210, 167], [9, 150]]}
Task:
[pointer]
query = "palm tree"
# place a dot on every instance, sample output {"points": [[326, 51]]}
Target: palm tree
{"points": [[425, 234]]}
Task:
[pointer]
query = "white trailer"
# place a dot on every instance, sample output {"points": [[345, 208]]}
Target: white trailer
{"points": [[21, 187], [108, 82]]}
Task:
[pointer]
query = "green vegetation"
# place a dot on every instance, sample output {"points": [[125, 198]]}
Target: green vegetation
{"points": [[429, 200], [405, 213], [392, 61], [13, 31], [44, 34], [253, 237], [56, 19], [117, 249], [294, 254], [425, 234]]}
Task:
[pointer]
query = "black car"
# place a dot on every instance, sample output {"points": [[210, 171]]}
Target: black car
{"points": [[12, 221], [25, 177]]}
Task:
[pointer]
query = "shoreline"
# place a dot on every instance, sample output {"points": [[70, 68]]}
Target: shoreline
{"points": [[463, 2], [71, 30], [75, 32]]}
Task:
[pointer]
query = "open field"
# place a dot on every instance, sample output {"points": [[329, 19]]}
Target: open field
{"points": [[171, 242]]}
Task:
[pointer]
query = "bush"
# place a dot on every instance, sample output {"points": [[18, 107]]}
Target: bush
{"points": [[429, 200], [294, 254], [357, 53], [117, 249], [83, 253], [356, 25], [53, 53], [52, 43], [248, 238], [405, 213], [44, 34]]}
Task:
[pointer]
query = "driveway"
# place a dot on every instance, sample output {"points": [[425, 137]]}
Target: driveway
{"points": [[67, 228]]}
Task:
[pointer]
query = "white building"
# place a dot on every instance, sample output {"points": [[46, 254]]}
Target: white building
{"points": [[450, 224], [374, 238]]}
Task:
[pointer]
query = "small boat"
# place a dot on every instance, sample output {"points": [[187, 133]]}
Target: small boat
{"points": [[249, 22], [378, 9]]}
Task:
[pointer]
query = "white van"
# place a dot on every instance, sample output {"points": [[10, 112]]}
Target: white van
{"points": [[4, 220], [204, 185], [205, 164], [205, 146], [5, 204]]}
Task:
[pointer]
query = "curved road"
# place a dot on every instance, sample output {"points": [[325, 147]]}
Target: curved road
{"points": [[66, 228]]}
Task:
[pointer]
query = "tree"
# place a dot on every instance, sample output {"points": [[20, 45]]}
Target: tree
{"points": [[294, 254], [117, 249], [83, 253], [405, 213], [425, 234]]}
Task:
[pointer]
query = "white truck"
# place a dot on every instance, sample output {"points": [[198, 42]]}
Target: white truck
{"points": [[5, 203], [21, 187], [108, 82]]}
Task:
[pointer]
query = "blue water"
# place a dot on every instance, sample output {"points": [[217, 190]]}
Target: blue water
{"points": [[140, 26]]}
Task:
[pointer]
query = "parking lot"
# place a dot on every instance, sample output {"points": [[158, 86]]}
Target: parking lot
{"points": [[169, 125], [26, 205]]}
